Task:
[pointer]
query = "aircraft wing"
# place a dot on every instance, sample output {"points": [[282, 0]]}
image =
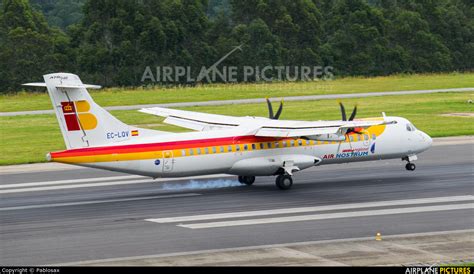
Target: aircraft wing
{"points": [[258, 126], [282, 128]]}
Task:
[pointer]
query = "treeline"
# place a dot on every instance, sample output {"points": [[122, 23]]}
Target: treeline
{"points": [[114, 41]]}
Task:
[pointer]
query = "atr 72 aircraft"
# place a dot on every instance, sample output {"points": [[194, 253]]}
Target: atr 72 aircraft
{"points": [[242, 146]]}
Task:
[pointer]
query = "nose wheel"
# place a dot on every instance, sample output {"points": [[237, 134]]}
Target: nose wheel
{"points": [[410, 166], [247, 180], [284, 181]]}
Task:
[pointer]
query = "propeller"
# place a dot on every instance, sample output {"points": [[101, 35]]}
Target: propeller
{"points": [[270, 110], [351, 118]]}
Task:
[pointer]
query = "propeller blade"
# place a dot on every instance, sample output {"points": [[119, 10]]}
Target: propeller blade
{"points": [[277, 115], [354, 112], [343, 112], [270, 109]]}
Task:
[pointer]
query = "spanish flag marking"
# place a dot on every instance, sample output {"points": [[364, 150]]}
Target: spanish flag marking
{"points": [[134, 132]]}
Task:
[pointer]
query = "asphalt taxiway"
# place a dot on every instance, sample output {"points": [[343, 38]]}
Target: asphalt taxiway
{"points": [[57, 216]]}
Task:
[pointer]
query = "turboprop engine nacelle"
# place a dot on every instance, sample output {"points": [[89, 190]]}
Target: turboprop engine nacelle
{"points": [[265, 166]]}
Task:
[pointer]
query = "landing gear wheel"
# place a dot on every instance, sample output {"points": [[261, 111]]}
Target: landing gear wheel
{"points": [[284, 182], [247, 180], [410, 166]]}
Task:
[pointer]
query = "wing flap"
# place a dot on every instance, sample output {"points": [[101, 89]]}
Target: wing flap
{"points": [[294, 132], [194, 125]]}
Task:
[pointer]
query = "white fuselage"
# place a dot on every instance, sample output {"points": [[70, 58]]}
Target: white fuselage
{"points": [[230, 151]]}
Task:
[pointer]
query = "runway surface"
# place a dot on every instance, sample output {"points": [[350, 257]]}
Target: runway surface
{"points": [[73, 215], [258, 100]]}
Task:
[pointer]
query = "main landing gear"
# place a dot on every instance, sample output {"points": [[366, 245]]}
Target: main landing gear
{"points": [[247, 180], [284, 181]]}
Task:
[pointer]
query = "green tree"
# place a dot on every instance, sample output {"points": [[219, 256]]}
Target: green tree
{"points": [[29, 48]]}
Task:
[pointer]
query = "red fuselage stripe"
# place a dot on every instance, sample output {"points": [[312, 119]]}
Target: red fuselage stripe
{"points": [[159, 146]]}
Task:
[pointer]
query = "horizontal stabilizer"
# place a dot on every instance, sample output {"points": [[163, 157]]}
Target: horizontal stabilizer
{"points": [[87, 86]]}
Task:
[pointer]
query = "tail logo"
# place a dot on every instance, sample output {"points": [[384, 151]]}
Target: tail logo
{"points": [[77, 116]]}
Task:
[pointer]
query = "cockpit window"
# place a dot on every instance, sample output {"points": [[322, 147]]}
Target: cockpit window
{"points": [[410, 127]]}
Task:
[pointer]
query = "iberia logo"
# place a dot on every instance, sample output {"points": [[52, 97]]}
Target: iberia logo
{"points": [[77, 116]]}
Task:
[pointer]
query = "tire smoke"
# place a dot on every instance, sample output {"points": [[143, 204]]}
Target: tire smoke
{"points": [[210, 184]]}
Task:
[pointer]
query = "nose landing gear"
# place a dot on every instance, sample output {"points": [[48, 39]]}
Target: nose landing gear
{"points": [[410, 166]]}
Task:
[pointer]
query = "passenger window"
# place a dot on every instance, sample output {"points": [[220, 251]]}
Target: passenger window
{"points": [[198, 151], [262, 146], [374, 136], [308, 142], [351, 138], [366, 137], [183, 152], [191, 152], [284, 143], [300, 142], [269, 145], [292, 143], [277, 144], [229, 148], [214, 150], [237, 148], [254, 147], [246, 147], [222, 149]]}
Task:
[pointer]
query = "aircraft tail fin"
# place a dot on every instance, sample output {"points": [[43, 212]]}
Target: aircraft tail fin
{"points": [[83, 123]]}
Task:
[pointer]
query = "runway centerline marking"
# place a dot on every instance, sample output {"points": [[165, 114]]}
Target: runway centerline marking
{"points": [[100, 201], [327, 216], [311, 209]]}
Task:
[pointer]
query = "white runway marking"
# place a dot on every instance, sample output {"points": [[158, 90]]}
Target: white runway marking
{"points": [[329, 216], [311, 209], [104, 181], [322, 216], [100, 201], [73, 181], [19, 190]]}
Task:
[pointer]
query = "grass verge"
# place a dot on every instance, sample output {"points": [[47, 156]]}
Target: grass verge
{"points": [[118, 96]]}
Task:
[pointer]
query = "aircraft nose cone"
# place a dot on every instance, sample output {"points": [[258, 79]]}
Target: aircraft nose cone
{"points": [[430, 141], [427, 141]]}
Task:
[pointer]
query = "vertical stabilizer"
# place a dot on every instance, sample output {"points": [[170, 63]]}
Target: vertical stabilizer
{"points": [[83, 123]]}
